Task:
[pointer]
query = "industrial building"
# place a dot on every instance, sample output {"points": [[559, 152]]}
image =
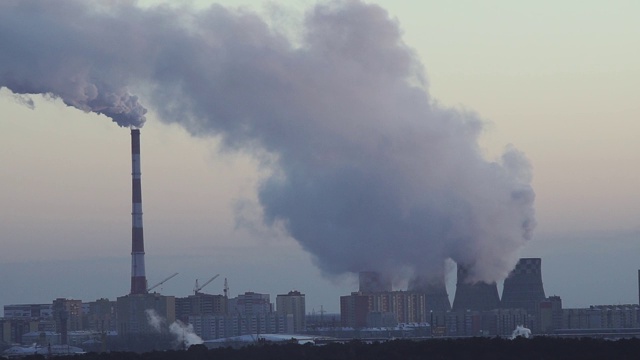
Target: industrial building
{"points": [[477, 309], [361, 313], [475, 296], [436, 296], [523, 287]]}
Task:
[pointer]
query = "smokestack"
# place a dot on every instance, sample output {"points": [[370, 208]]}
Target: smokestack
{"points": [[523, 287], [138, 277], [478, 296]]}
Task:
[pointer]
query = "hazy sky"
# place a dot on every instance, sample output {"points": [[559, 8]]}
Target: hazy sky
{"points": [[556, 80]]}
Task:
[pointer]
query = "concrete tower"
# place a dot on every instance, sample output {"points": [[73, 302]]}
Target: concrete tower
{"points": [[436, 296], [478, 296], [523, 287], [138, 277]]}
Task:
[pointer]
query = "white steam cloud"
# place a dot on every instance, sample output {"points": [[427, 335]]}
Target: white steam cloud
{"points": [[155, 321], [370, 172], [184, 334]]}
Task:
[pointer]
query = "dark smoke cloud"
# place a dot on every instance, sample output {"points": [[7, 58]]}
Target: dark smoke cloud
{"points": [[370, 173]]}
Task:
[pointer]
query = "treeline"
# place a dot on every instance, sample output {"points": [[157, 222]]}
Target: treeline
{"points": [[538, 348]]}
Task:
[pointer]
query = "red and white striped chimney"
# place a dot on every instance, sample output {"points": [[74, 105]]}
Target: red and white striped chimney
{"points": [[138, 277]]}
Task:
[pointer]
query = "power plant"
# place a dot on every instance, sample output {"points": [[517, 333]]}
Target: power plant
{"points": [[437, 298], [478, 296], [477, 308], [133, 309], [523, 287]]}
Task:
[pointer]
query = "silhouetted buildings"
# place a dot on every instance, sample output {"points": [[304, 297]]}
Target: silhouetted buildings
{"points": [[376, 310], [253, 314], [477, 309]]}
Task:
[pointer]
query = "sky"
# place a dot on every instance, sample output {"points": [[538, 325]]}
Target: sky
{"points": [[557, 81]]}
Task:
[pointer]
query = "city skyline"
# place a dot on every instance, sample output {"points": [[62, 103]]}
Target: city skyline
{"points": [[66, 179]]}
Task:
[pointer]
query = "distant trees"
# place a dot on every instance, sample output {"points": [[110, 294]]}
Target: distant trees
{"points": [[471, 348]]}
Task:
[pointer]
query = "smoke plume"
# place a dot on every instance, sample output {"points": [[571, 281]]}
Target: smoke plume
{"points": [[155, 321], [368, 171], [184, 334]]}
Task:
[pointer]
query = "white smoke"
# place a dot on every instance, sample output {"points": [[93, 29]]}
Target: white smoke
{"points": [[155, 321], [520, 331], [370, 172], [184, 334]]}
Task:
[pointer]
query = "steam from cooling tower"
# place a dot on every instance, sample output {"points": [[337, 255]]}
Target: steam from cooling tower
{"points": [[368, 171]]}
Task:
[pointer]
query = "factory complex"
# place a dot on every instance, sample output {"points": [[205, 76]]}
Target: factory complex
{"points": [[375, 311]]}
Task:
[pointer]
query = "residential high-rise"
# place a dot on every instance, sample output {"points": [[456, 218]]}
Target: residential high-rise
{"points": [[354, 309], [140, 313], [292, 307], [250, 303], [67, 315], [101, 316], [200, 304], [550, 315]]}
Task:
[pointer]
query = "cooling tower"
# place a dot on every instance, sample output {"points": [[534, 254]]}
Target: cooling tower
{"points": [[436, 296], [373, 282], [523, 287], [138, 277], [478, 296]]}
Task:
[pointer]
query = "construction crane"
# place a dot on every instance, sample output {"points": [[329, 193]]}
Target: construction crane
{"points": [[197, 288], [162, 282]]}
